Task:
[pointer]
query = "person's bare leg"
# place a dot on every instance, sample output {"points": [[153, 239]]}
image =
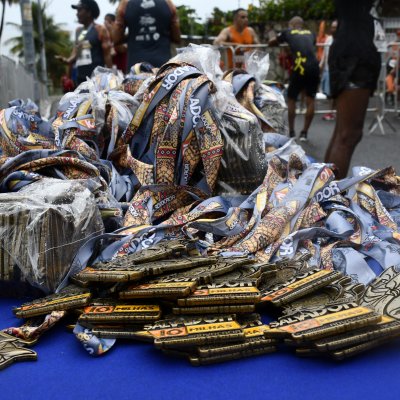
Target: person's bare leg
{"points": [[329, 149], [351, 107], [310, 103], [291, 114]]}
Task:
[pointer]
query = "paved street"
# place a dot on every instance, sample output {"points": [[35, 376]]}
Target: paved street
{"points": [[374, 151]]}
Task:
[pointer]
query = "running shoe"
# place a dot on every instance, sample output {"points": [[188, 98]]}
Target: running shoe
{"points": [[303, 137], [329, 117]]}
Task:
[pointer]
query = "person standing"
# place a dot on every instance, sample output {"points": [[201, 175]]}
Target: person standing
{"points": [[305, 73], [119, 53], [354, 65], [324, 66], [238, 33], [92, 42], [152, 26], [321, 39]]}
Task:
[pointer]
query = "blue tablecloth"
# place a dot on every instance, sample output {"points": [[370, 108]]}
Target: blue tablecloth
{"points": [[133, 370]]}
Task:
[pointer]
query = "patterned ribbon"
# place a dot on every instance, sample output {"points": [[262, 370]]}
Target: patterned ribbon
{"points": [[33, 329], [92, 344]]}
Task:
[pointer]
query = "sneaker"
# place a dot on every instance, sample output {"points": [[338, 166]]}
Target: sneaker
{"points": [[329, 117], [303, 137]]}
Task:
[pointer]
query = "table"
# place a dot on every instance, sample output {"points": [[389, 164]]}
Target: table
{"points": [[133, 370]]}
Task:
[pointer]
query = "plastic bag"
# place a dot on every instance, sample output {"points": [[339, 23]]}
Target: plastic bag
{"points": [[257, 64], [22, 128], [282, 146], [105, 79], [270, 101], [243, 164], [42, 226], [204, 57]]}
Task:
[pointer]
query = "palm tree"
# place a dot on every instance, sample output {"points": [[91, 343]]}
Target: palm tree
{"points": [[57, 42], [3, 13]]}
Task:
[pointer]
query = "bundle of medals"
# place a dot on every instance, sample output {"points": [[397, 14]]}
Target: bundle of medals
{"points": [[180, 265], [212, 309]]}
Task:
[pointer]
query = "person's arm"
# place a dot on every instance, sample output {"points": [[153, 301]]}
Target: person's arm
{"points": [[277, 40], [255, 37], [106, 45], [74, 53], [222, 38], [175, 32], [273, 42], [325, 52], [70, 59], [118, 28]]}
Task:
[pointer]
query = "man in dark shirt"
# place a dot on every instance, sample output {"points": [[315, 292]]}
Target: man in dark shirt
{"points": [[152, 26], [92, 42], [305, 74]]}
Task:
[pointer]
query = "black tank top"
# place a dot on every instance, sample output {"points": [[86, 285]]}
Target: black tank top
{"points": [[149, 24], [96, 52]]}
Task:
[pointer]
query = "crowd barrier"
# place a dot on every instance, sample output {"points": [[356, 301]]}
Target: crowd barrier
{"points": [[18, 83], [383, 102], [388, 102]]}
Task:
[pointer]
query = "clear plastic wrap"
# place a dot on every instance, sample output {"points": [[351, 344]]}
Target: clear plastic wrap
{"points": [[137, 76], [257, 64], [268, 97], [207, 59], [269, 100], [120, 113], [68, 108], [22, 128], [42, 226], [204, 57], [105, 79], [282, 146], [243, 165]]}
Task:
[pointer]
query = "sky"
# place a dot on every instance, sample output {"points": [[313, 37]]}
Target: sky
{"points": [[63, 14]]}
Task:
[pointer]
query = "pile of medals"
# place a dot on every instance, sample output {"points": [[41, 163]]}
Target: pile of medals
{"points": [[210, 309], [205, 233]]}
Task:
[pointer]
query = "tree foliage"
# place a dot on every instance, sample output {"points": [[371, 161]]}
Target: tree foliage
{"points": [[283, 10], [3, 12], [218, 21], [189, 21], [57, 42], [268, 13]]}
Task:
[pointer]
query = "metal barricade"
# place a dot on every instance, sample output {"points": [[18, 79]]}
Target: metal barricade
{"points": [[279, 73], [16, 82], [388, 102], [233, 56]]}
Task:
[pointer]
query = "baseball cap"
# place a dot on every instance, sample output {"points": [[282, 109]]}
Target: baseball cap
{"points": [[90, 5]]}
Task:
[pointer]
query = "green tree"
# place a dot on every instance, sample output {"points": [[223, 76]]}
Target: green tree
{"points": [[188, 20], [57, 42], [3, 13], [283, 10], [218, 21]]}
